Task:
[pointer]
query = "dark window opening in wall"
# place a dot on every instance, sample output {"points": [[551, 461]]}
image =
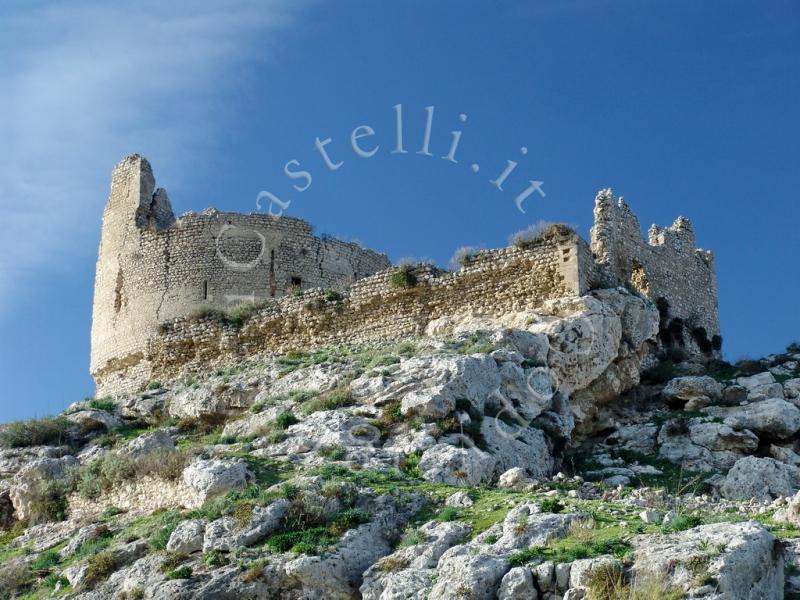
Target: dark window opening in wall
{"points": [[303, 252], [295, 283], [205, 290]]}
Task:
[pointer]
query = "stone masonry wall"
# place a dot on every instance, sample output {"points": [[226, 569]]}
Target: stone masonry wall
{"points": [[373, 309], [154, 272]]}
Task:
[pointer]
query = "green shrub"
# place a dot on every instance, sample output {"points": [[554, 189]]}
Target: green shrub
{"points": [[51, 504], [448, 513], [99, 566], [112, 469], [16, 530], [352, 517], [54, 579], [525, 556], [391, 414], [412, 537], [214, 558], [289, 491], [344, 491], [159, 538], [239, 314], [46, 560], [184, 572], [48, 431], [551, 505], [99, 542], [172, 560], [110, 511], [284, 420], [409, 464], [475, 344], [333, 296], [682, 523], [335, 452], [404, 277], [465, 256], [154, 385], [307, 541], [106, 404], [15, 577], [606, 581]]}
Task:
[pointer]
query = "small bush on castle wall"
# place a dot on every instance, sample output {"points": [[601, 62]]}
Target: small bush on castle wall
{"points": [[540, 230], [463, 257], [404, 277]]}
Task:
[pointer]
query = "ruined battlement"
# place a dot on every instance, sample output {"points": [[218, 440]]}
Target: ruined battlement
{"points": [[667, 265], [162, 282]]}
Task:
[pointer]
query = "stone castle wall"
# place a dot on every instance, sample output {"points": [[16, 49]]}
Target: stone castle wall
{"points": [[153, 267], [373, 309], [667, 265], [154, 272]]}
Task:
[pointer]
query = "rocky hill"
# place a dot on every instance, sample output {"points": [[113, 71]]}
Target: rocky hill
{"points": [[571, 452]]}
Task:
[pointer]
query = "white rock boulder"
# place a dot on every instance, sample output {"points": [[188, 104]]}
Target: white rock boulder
{"points": [[187, 537], [452, 465], [760, 478], [214, 477], [743, 558], [694, 391]]}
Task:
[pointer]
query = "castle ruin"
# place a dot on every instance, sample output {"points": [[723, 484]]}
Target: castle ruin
{"points": [[161, 282]]}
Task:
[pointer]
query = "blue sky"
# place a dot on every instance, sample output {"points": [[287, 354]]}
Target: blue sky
{"points": [[682, 107]]}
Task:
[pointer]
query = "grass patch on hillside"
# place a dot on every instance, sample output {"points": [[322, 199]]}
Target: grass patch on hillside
{"points": [[299, 359], [608, 540], [475, 344], [338, 397], [673, 478]]}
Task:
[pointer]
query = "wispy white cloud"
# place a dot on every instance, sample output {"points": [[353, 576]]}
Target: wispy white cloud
{"points": [[84, 83]]}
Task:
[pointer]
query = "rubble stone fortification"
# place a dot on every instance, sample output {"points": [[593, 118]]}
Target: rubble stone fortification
{"points": [[159, 280]]}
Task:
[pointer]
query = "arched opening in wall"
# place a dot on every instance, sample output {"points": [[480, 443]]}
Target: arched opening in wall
{"points": [[639, 280], [295, 283]]}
